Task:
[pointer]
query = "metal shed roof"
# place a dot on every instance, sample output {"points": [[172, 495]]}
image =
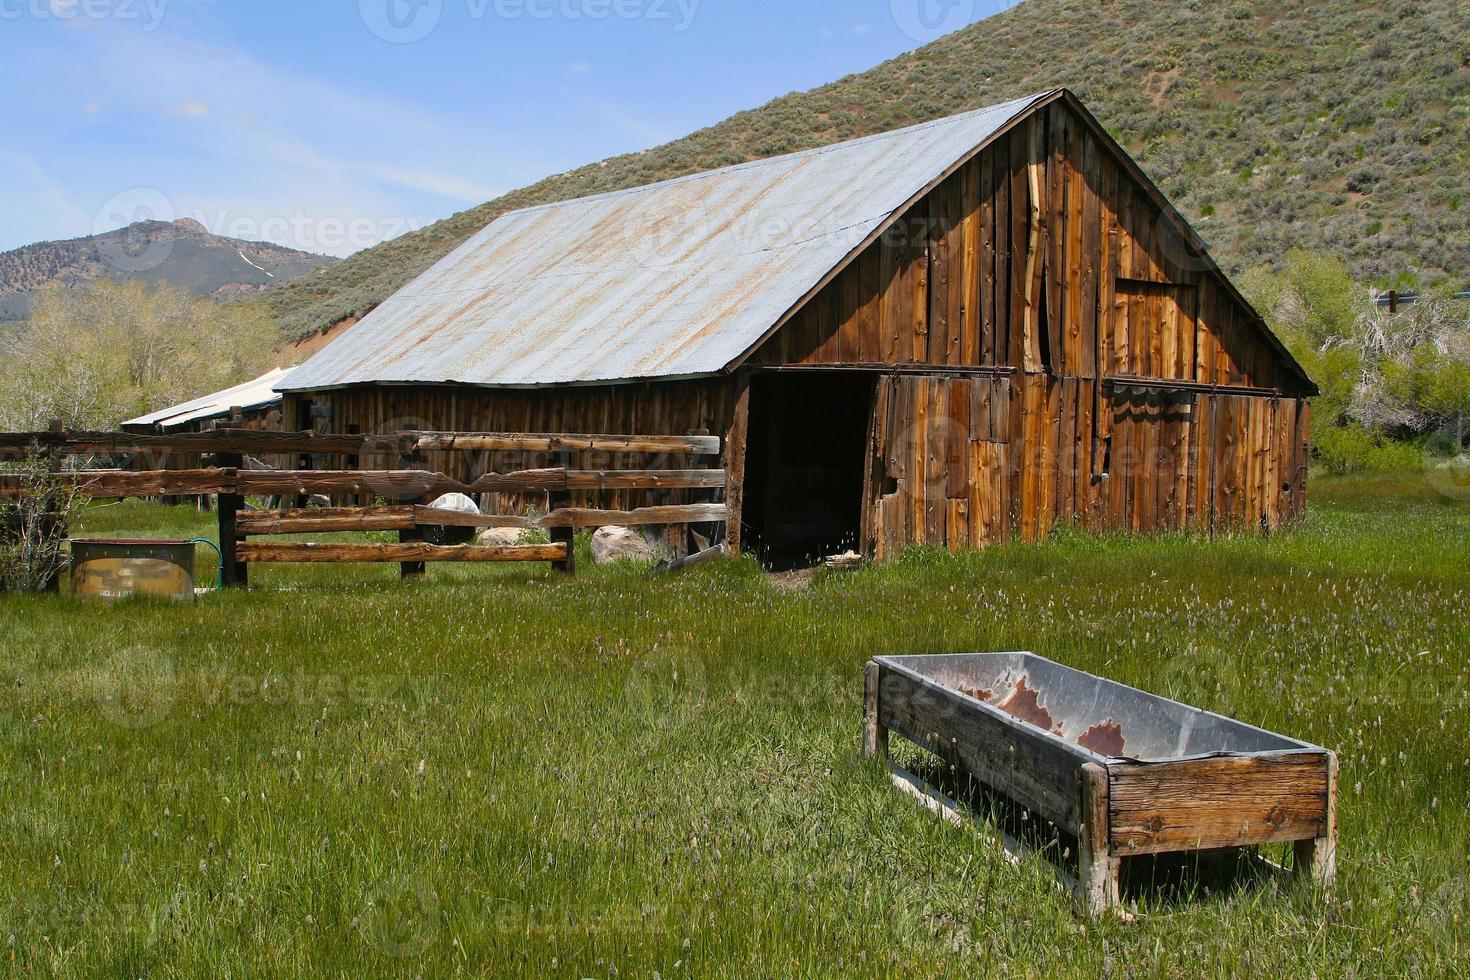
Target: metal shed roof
{"points": [[256, 393], [675, 279]]}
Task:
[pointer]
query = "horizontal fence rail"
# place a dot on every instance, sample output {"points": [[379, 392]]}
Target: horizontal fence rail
{"points": [[265, 523], [252, 552], [387, 483], [254, 442]]}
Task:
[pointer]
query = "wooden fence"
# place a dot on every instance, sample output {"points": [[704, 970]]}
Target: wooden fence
{"points": [[406, 488]]}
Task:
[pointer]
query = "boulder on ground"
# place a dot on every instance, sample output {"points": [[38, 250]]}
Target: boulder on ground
{"points": [[612, 544], [456, 502], [495, 537], [439, 533]]}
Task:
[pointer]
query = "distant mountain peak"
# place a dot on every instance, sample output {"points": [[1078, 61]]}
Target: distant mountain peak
{"points": [[183, 253]]}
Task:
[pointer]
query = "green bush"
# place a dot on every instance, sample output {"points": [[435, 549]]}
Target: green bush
{"points": [[1388, 456], [1353, 449]]}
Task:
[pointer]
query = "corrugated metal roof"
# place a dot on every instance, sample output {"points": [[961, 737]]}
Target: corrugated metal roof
{"points": [[675, 279], [256, 393]]}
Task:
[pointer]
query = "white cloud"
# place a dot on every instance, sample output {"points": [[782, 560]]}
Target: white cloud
{"points": [[862, 30], [445, 185], [193, 107], [580, 67]]}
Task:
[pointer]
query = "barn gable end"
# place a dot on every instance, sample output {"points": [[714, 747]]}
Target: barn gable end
{"points": [[1117, 285]]}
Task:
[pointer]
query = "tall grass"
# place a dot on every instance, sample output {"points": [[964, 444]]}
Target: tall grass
{"points": [[497, 770]]}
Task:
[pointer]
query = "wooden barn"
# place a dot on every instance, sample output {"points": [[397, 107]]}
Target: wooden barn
{"points": [[978, 328]]}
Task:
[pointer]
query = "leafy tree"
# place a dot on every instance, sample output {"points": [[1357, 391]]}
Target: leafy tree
{"points": [[96, 356]]}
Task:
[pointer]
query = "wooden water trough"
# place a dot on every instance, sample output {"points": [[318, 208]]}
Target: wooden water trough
{"points": [[1124, 772]]}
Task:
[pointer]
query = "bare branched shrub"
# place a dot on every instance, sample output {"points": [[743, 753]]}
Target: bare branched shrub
{"points": [[33, 524]]}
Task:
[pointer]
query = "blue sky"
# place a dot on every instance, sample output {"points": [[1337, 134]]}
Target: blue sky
{"points": [[334, 124]]}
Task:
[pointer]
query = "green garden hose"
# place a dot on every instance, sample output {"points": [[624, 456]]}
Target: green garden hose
{"points": [[219, 562]]}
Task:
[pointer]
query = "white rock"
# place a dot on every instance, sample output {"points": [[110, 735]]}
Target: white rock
{"points": [[497, 536], [456, 502], [612, 544]]}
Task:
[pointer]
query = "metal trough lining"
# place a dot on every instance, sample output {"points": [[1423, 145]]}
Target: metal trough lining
{"points": [[1154, 728]]}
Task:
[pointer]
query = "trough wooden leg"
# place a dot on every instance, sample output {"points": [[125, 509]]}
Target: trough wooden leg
{"points": [[1315, 860], [875, 736], [1097, 868]]}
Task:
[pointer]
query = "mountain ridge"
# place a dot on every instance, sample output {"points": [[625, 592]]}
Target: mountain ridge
{"points": [[182, 253]]}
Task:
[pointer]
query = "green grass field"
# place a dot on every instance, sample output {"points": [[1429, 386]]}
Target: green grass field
{"points": [[498, 771]]}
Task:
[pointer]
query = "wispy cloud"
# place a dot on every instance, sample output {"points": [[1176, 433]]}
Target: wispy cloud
{"points": [[445, 185], [277, 142], [193, 107]]}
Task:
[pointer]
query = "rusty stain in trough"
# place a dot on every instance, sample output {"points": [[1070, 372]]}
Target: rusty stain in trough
{"points": [[1025, 703], [1104, 739]]}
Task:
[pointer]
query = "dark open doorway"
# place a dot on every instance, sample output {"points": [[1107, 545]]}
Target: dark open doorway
{"points": [[804, 465]]}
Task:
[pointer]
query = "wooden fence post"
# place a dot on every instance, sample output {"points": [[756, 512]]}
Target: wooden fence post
{"points": [[558, 500], [234, 574], [53, 467], [410, 569], [1097, 868]]}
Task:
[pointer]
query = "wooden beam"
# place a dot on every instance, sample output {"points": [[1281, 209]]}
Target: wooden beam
{"points": [[564, 443], [575, 517], [1097, 868], [143, 483], [1199, 804], [327, 520], [243, 441], [645, 479], [254, 442], [395, 554], [429, 516]]}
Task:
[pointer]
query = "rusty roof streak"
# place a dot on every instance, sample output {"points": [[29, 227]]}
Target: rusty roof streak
{"points": [[672, 280]]}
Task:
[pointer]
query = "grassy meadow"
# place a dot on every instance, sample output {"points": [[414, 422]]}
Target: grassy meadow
{"points": [[498, 771]]}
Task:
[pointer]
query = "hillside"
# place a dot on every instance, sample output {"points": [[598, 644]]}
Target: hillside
{"points": [[1339, 127], [181, 253]]}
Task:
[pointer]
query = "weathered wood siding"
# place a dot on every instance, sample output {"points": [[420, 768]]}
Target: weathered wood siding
{"points": [[965, 462]]}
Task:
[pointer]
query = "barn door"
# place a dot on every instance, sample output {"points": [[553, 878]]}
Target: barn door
{"points": [[1149, 459], [936, 464]]}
